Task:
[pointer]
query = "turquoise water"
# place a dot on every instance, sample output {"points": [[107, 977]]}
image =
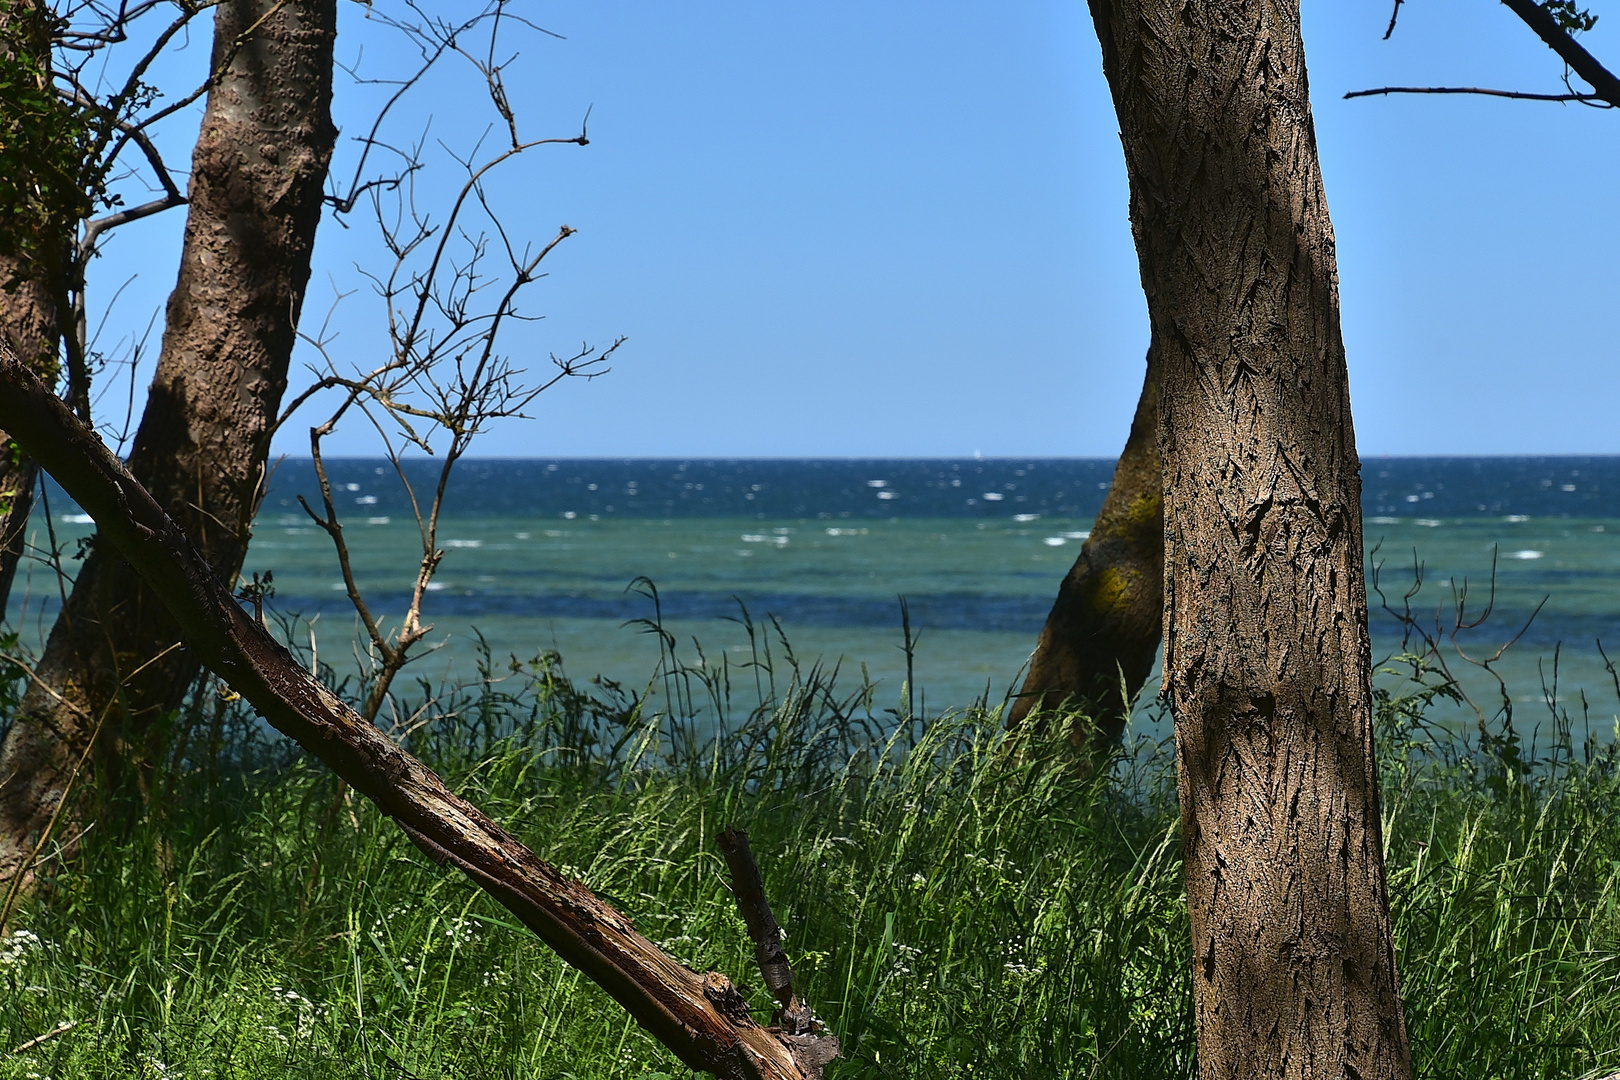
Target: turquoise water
{"points": [[541, 555]]}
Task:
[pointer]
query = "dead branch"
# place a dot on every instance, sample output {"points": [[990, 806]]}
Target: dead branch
{"points": [[1430, 651], [1394, 14], [1562, 42], [114, 26], [812, 1048], [60, 1029], [1519, 95], [434, 38], [701, 1019], [1557, 36], [443, 381], [82, 37], [749, 889]]}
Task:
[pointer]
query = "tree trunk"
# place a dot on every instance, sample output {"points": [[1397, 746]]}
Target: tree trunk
{"points": [[28, 322], [1099, 643], [115, 662], [28, 325], [1267, 660]]}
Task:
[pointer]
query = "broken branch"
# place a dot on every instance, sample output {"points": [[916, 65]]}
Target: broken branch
{"points": [[797, 1022]]}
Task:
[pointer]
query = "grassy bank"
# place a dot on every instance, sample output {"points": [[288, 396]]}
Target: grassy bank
{"points": [[951, 913]]}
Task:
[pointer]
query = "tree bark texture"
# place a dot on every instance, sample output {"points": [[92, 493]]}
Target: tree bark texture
{"points": [[28, 322], [1102, 636], [115, 662], [28, 326], [703, 1019], [1267, 659]]}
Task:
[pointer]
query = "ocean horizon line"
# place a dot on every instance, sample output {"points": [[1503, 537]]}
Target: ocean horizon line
{"points": [[853, 458]]}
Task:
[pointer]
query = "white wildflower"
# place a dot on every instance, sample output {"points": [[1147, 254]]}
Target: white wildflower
{"points": [[157, 1067], [17, 947]]}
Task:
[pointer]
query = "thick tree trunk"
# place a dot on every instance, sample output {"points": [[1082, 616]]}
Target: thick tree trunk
{"points": [[115, 662], [1099, 643], [1267, 661], [28, 322], [18, 474], [28, 326]]}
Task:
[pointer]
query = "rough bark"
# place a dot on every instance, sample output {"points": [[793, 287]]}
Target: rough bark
{"points": [[703, 1019], [114, 662], [1102, 636], [28, 322], [28, 326], [1267, 660]]}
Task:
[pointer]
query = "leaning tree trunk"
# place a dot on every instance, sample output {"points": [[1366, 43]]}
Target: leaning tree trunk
{"points": [[1099, 643], [703, 1019], [28, 322], [115, 662], [1267, 660]]}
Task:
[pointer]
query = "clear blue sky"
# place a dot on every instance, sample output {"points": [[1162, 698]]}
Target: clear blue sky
{"points": [[899, 229]]}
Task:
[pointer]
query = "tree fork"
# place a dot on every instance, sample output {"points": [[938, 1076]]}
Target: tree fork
{"points": [[703, 1020]]}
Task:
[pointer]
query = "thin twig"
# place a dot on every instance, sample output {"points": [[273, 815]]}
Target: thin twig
{"points": [[1394, 14], [1520, 95], [1556, 35]]}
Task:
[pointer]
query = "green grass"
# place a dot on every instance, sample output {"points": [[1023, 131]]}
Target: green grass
{"points": [[951, 909]]}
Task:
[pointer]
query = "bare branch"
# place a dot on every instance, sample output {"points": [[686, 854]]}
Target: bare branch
{"points": [[334, 529], [443, 381], [213, 78], [114, 106], [812, 1047], [435, 38], [112, 32], [93, 229], [1605, 84], [749, 889], [1560, 41], [1516, 94], [60, 1029], [131, 133]]}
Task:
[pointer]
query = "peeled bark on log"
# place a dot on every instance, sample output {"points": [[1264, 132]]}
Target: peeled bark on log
{"points": [[702, 1019], [1102, 636], [1267, 659], [115, 660]]}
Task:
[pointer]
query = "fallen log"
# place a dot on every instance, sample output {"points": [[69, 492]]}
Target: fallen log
{"points": [[702, 1019]]}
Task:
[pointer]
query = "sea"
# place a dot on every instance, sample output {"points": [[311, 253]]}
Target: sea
{"points": [[1511, 563]]}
